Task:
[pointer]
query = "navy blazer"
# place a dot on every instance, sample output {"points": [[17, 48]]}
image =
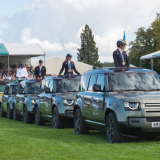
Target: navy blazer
{"points": [[65, 66], [118, 59], [43, 72]]}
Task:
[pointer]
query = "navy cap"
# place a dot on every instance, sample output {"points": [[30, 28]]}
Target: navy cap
{"points": [[40, 61], [69, 55], [21, 65]]}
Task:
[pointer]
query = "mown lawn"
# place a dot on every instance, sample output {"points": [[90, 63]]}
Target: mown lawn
{"points": [[28, 141]]}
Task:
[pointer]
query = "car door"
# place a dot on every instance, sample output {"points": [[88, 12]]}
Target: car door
{"points": [[83, 95], [88, 98], [45, 100], [20, 99], [5, 98], [98, 104]]}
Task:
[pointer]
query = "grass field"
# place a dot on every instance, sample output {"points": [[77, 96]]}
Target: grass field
{"points": [[28, 141]]}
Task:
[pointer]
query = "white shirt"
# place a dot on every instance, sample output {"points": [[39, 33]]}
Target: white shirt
{"points": [[121, 52], [21, 73], [40, 68]]}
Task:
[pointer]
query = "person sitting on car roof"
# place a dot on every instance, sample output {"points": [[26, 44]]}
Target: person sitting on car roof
{"points": [[69, 66], [120, 56]]}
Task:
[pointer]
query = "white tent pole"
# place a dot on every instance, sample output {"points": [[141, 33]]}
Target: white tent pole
{"points": [[30, 61], [44, 58], [8, 64], [152, 64]]}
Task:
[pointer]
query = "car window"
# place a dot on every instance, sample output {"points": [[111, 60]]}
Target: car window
{"points": [[45, 83], [67, 85], [100, 80], [84, 82], [22, 86], [133, 81], [14, 89], [7, 88], [92, 82], [50, 84], [33, 88]]}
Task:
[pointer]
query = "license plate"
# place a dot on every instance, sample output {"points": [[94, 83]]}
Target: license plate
{"points": [[155, 124]]}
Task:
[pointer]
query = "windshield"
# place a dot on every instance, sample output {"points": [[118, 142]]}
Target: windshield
{"points": [[67, 85], [14, 89], [33, 88], [133, 81]]}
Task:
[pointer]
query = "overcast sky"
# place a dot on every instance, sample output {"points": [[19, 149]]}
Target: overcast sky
{"points": [[56, 24]]}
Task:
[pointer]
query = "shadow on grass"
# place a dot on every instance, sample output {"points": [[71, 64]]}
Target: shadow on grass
{"points": [[68, 134]]}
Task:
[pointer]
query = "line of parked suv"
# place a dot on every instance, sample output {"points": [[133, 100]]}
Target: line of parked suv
{"points": [[120, 101]]}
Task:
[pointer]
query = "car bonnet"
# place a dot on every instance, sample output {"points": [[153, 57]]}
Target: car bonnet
{"points": [[140, 96]]}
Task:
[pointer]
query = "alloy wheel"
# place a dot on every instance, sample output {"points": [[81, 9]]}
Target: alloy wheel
{"points": [[110, 128], [55, 118], [77, 122]]}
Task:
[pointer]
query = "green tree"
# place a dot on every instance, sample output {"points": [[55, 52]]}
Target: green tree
{"points": [[147, 41], [156, 25], [144, 43], [88, 53], [108, 64]]}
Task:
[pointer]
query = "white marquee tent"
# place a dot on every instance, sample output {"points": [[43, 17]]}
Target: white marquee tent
{"points": [[152, 56], [19, 53]]}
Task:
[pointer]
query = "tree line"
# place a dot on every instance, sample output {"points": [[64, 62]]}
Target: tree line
{"points": [[147, 41]]}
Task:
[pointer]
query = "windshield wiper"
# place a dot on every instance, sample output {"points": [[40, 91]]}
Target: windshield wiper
{"points": [[72, 91], [131, 90], [153, 90]]}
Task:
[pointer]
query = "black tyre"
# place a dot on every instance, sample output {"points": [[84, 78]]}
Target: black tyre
{"points": [[112, 133], [27, 119], [9, 112], [79, 126], [56, 123], [2, 113], [15, 115], [38, 120]]}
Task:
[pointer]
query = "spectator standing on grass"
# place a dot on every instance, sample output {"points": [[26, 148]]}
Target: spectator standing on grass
{"points": [[40, 71]]}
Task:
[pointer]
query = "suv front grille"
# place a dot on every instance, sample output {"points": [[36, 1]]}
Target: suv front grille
{"points": [[153, 119], [152, 105]]}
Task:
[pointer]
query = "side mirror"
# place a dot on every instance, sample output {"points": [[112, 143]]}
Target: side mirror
{"points": [[97, 88], [47, 89], [20, 91], [5, 92]]}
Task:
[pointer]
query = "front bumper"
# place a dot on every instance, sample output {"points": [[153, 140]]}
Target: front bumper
{"points": [[67, 117], [136, 126]]}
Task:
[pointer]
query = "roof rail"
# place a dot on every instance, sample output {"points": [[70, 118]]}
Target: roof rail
{"points": [[67, 76], [125, 68]]}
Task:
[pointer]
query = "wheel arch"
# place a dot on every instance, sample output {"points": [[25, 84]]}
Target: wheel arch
{"points": [[75, 108], [108, 110], [53, 106]]}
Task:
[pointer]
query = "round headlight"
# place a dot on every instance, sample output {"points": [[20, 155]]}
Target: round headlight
{"points": [[68, 102], [131, 105]]}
